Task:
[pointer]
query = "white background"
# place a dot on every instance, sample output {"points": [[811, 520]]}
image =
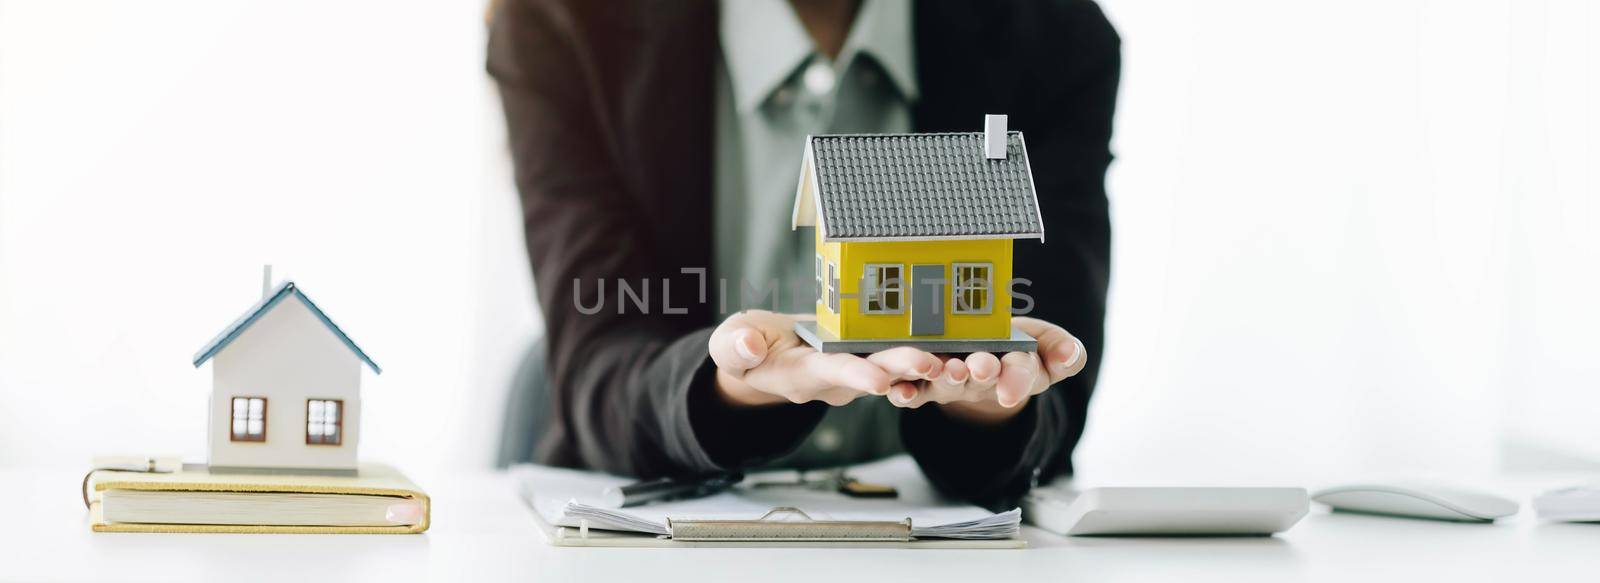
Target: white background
{"points": [[1359, 234]]}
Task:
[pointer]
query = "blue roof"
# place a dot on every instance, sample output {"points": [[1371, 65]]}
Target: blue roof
{"points": [[285, 290]]}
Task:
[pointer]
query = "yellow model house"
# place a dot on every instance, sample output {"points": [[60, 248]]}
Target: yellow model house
{"points": [[913, 238]]}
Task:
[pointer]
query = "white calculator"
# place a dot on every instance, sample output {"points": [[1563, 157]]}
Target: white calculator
{"points": [[1174, 511]]}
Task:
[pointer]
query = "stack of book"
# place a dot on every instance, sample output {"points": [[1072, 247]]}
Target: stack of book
{"points": [[376, 500]]}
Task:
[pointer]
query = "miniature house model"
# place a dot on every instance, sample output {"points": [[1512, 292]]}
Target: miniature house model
{"points": [[285, 388], [914, 236]]}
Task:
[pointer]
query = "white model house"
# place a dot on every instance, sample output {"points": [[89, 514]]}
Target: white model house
{"points": [[285, 388]]}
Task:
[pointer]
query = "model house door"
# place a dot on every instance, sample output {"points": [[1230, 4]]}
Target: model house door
{"points": [[927, 300]]}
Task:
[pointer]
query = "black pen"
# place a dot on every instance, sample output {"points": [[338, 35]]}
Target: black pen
{"points": [[664, 489]]}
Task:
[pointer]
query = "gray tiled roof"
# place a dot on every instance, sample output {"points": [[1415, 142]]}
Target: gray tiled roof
{"points": [[923, 186]]}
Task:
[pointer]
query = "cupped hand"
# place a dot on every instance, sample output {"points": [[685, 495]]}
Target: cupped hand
{"points": [[982, 387], [761, 361]]}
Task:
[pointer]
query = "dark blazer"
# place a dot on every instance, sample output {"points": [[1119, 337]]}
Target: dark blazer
{"points": [[609, 110]]}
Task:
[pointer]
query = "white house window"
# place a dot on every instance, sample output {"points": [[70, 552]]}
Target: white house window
{"points": [[821, 287], [833, 287], [884, 288], [970, 294], [249, 419], [324, 421]]}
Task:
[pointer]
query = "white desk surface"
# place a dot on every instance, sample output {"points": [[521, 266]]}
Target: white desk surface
{"points": [[482, 532]]}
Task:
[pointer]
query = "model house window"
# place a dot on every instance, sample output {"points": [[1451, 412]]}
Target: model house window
{"points": [[833, 288], [249, 419], [820, 286], [324, 421], [883, 288], [970, 295]]}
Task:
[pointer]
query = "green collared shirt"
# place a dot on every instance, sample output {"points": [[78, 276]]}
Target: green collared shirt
{"points": [[775, 89]]}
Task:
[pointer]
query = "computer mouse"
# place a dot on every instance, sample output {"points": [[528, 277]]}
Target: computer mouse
{"points": [[1417, 501]]}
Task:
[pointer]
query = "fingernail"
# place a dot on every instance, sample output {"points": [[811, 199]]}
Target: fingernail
{"points": [[1077, 355], [744, 351]]}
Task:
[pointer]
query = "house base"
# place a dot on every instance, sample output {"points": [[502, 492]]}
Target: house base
{"points": [[825, 341], [281, 471]]}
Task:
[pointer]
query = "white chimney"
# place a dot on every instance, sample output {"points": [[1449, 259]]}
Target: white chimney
{"points": [[994, 137], [266, 280]]}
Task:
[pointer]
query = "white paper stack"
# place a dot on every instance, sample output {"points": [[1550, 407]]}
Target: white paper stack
{"points": [[993, 526], [571, 498], [1002, 525], [605, 519]]}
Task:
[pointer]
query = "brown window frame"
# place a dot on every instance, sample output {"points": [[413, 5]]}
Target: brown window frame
{"points": [[246, 437], [338, 423]]}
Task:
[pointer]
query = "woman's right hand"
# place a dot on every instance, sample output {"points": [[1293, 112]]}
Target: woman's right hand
{"points": [[762, 362]]}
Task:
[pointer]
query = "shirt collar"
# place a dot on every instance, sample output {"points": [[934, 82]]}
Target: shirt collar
{"points": [[763, 43]]}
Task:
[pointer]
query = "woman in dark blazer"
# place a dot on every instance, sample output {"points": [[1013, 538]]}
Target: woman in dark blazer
{"points": [[609, 108]]}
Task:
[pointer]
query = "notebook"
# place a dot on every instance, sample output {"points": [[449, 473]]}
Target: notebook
{"points": [[378, 500], [568, 501]]}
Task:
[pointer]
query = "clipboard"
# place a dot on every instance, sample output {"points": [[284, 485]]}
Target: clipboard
{"points": [[565, 504], [782, 527], [800, 527]]}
